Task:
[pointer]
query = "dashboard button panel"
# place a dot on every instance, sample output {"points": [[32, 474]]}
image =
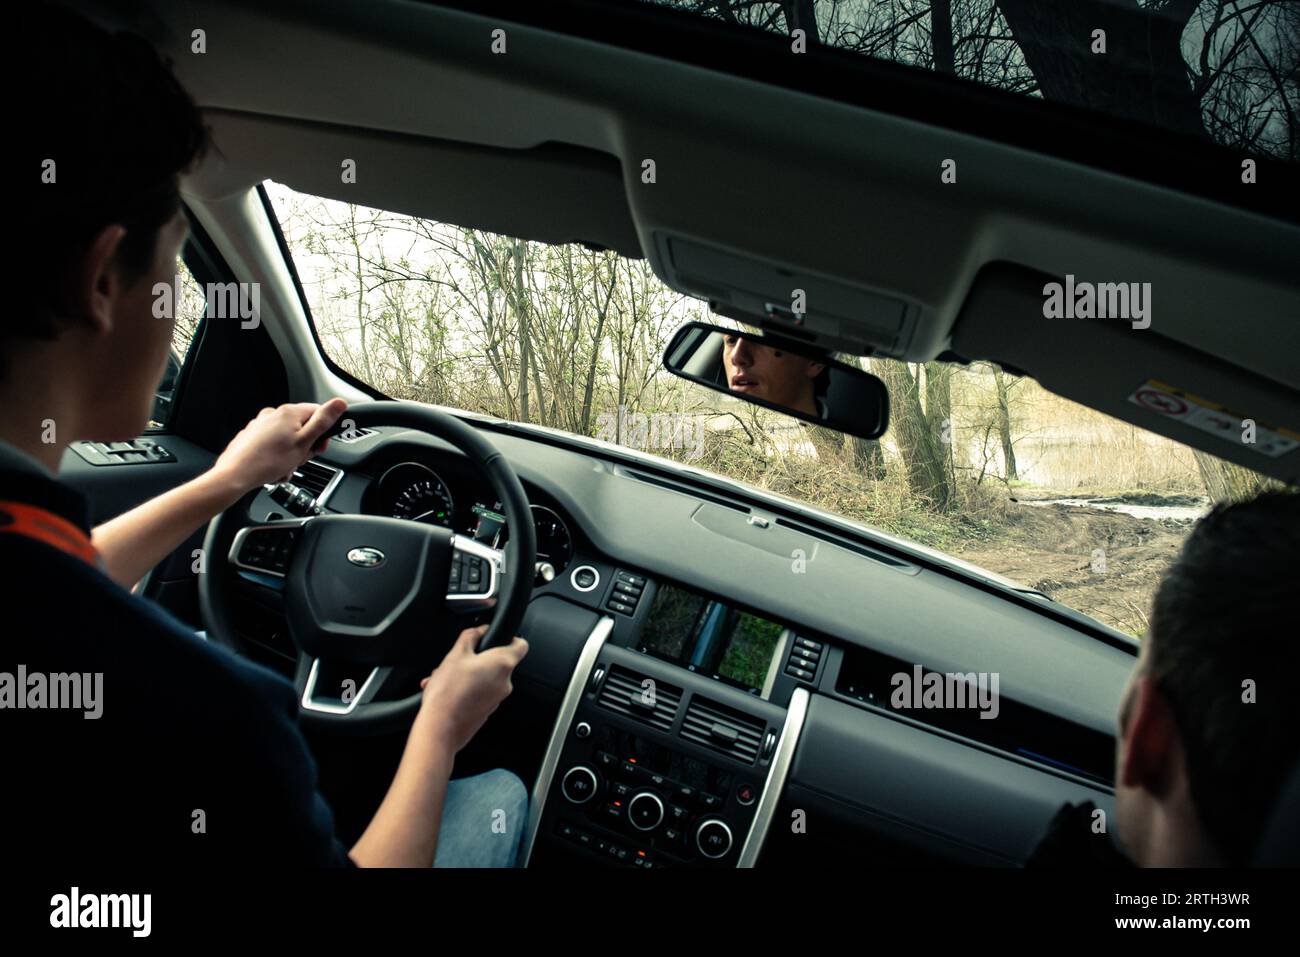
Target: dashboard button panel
{"points": [[625, 596], [805, 655]]}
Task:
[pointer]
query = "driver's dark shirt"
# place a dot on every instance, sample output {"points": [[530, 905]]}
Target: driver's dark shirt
{"points": [[197, 758]]}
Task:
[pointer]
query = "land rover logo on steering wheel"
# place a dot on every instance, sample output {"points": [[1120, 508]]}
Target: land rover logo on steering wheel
{"points": [[366, 557]]}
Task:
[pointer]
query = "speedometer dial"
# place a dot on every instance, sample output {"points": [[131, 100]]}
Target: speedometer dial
{"points": [[554, 543], [417, 493]]}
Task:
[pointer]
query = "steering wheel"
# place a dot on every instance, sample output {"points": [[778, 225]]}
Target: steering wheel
{"points": [[371, 602]]}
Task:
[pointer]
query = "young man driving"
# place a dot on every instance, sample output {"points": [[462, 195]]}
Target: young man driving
{"points": [[178, 751]]}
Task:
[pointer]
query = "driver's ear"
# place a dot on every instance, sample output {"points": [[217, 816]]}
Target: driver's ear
{"points": [[98, 283], [815, 369]]}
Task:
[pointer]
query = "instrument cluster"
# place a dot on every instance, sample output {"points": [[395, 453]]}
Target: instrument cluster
{"points": [[415, 492]]}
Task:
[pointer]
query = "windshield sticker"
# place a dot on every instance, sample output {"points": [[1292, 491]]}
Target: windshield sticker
{"points": [[1216, 419]]}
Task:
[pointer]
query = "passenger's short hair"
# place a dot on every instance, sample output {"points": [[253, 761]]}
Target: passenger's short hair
{"points": [[1225, 615]]}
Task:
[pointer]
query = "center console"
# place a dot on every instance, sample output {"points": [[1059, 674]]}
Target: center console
{"points": [[667, 751]]}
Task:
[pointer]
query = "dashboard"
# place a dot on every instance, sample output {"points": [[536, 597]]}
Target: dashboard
{"points": [[692, 594], [702, 634]]}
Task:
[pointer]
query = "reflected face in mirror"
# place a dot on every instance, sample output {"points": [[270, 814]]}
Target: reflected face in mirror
{"points": [[771, 374]]}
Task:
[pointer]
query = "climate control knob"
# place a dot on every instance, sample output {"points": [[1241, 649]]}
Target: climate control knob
{"points": [[645, 811], [713, 838], [579, 784]]}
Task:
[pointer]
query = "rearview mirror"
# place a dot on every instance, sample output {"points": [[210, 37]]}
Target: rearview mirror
{"points": [[779, 374]]}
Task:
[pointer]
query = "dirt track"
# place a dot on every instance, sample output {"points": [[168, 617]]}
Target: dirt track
{"points": [[1051, 548]]}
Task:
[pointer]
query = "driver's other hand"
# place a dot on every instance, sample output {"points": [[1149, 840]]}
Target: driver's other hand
{"points": [[277, 442], [468, 686]]}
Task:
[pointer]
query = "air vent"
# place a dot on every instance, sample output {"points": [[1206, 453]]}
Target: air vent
{"points": [[627, 693], [356, 435], [315, 479], [724, 729]]}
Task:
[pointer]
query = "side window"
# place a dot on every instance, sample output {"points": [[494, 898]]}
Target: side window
{"points": [[190, 307]]}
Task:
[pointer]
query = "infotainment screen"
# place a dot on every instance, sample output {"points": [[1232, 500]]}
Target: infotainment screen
{"points": [[711, 637]]}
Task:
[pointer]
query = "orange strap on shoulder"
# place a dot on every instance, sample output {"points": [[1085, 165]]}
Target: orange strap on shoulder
{"points": [[43, 525]]}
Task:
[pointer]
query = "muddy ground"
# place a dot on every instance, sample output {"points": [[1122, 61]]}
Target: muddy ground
{"points": [[1051, 548]]}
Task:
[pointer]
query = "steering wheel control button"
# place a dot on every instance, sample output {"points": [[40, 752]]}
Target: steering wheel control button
{"points": [[645, 811], [713, 838], [584, 578], [579, 784], [470, 574], [266, 549]]}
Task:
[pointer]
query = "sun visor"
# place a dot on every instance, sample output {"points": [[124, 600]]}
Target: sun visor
{"points": [[837, 315], [1132, 373], [551, 193]]}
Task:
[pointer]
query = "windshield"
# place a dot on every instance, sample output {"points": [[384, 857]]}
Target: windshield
{"points": [[980, 464]]}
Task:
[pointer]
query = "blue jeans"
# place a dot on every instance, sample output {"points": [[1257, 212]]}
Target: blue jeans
{"points": [[483, 821]]}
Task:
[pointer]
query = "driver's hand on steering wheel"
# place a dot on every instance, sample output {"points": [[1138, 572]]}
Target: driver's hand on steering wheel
{"points": [[467, 687], [278, 441]]}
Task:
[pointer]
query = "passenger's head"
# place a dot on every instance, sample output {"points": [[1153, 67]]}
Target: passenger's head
{"points": [[106, 131], [1209, 729], [775, 375]]}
